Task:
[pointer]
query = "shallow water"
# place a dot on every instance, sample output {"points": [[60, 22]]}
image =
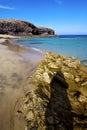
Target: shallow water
{"points": [[73, 46]]}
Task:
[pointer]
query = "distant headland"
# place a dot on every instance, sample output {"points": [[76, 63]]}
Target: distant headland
{"points": [[23, 28]]}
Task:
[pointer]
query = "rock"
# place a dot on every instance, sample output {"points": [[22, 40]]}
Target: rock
{"points": [[67, 61], [59, 62], [77, 79], [30, 116], [65, 68], [46, 111], [46, 78], [23, 28], [44, 31], [82, 98], [83, 84], [68, 75], [74, 64], [59, 100], [51, 65]]}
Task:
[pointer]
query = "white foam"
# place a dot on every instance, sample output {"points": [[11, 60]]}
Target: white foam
{"points": [[39, 50]]}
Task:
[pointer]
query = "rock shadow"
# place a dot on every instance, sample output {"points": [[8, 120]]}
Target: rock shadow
{"points": [[48, 106], [58, 112]]}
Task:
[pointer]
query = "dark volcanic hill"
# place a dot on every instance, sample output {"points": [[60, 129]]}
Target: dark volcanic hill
{"points": [[23, 28]]}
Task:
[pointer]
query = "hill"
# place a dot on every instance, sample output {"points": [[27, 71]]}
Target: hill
{"points": [[23, 28]]}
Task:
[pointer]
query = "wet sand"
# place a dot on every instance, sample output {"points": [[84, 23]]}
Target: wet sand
{"points": [[15, 68]]}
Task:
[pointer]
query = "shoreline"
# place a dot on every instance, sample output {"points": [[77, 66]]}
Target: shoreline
{"points": [[78, 56], [16, 47], [7, 36], [16, 65]]}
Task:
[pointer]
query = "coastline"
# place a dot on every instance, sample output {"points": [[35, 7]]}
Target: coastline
{"points": [[61, 45], [22, 70], [16, 65], [32, 36]]}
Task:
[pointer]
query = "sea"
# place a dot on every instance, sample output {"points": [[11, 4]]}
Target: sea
{"points": [[74, 46]]}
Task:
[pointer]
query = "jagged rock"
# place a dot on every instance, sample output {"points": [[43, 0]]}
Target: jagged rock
{"points": [[46, 77], [68, 75], [23, 28], [59, 101], [77, 79], [74, 64], [30, 116]]}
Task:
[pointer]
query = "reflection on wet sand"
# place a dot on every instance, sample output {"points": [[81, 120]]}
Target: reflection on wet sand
{"points": [[14, 70], [14, 47]]}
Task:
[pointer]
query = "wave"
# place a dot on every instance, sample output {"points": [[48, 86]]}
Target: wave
{"points": [[38, 50]]}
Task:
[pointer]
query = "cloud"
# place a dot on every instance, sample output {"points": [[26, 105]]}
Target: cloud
{"points": [[6, 7]]}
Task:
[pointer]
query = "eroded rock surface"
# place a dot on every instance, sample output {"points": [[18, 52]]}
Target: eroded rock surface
{"points": [[59, 98]]}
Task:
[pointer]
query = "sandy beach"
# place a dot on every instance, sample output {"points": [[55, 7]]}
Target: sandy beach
{"points": [[16, 66]]}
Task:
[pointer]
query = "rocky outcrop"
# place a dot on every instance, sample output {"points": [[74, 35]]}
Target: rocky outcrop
{"points": [[23, 28], [59, 98]]}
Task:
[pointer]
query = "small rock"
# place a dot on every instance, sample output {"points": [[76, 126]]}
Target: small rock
{"points": [[68, 75], [77, 79], [30, 116], [66, 62], [46, 77], [59, 63], [52, 65], [74, 64], [83, 84], [82, 98]]}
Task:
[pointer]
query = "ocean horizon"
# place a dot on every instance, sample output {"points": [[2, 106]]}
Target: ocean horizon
{"points": [[74, 46]]}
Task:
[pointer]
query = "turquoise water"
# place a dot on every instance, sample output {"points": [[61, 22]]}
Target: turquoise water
{"points": [[70, 45]]}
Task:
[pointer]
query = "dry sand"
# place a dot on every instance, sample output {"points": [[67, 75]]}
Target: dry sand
{"points": [[15, 69], [7, 36]]}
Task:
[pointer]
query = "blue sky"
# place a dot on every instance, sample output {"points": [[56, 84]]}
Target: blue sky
{"points": [[64, 16]]}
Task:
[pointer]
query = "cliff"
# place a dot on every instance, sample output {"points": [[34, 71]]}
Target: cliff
{"points": [[59, 98], [23, 28]]}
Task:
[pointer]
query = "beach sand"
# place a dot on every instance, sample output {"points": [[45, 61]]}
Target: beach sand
{"points": [[16, 66], [7, 36]]}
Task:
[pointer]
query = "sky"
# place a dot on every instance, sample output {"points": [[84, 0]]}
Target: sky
{"points": [[64, 16]]}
